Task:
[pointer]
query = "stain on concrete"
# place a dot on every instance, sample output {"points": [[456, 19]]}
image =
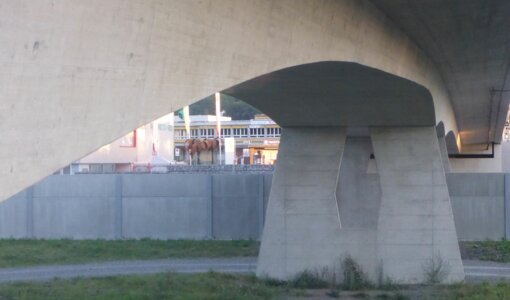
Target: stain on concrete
{"points": [[36, 46]]}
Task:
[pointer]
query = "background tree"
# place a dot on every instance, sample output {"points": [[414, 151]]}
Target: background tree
{"points": [[233, 107]]}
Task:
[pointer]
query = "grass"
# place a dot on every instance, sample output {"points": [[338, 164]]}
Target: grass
{"points": [[483, 291], [486, 250], [224, 286], [29, 252], [15, 253], [161, 286]]}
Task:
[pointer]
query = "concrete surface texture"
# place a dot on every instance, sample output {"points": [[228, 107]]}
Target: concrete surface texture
{"points": [[84, 73], [480, 165], [505, 156], [162, 206], [480, 203], [394, 222], [468, 42], [359, 200], [415, 224], [303, 224], [331, 93], [444, 153]]}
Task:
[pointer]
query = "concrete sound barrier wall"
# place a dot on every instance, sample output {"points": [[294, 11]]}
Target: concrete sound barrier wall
{"points": [[171, 206], [159, 206]]}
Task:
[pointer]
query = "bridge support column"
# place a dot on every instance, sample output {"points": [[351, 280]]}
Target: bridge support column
{"points": [[444, 154], [302, 221], [396, 222], [415, 229]]}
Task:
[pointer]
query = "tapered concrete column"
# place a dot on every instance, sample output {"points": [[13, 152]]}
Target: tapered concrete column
{"points": [[415, 224], [302, 221], [444, 153]]}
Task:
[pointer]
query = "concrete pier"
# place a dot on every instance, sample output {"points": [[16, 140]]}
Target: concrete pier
{"points": [[395, 221], [415, 224], [302, 227]]}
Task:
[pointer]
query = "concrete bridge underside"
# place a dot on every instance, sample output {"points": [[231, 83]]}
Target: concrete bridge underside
{"points": [[78, 74]]}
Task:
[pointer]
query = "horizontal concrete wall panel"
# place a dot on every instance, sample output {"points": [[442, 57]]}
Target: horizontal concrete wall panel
{"points": [[165, 185], [74, 217], [166, 218], [479, 217], [236, 217], [13, 217], [169, 206], [478, 204], [238, 202], [76, 186], [235, 185], [476, 184]]}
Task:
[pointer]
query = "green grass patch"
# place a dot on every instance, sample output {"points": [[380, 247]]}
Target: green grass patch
{"points": [[486, 250], [161, 286], [224, 286], [29, 252], [485, 291]]}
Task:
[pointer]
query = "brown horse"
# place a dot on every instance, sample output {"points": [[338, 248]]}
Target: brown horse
{"points": [[212, 144], [189, 148], [188, 145], [200, 145], [194, 147]]}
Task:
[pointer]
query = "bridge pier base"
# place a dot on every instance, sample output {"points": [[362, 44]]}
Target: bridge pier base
{"points": [[302, 224], [328, 202]]}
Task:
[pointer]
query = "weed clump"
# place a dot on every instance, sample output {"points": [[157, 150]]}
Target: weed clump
{"points": [[309, 280], [353, 276], [436, 269]]}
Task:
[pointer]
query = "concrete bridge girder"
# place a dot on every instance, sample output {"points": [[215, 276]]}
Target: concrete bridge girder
{"points": [[75, 77]]}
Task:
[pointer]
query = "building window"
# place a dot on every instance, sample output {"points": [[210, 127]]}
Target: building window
{"points": [[96, 168], [226, 132]]}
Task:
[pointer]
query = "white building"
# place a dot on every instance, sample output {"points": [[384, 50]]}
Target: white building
{"points": [[150, 143]]}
